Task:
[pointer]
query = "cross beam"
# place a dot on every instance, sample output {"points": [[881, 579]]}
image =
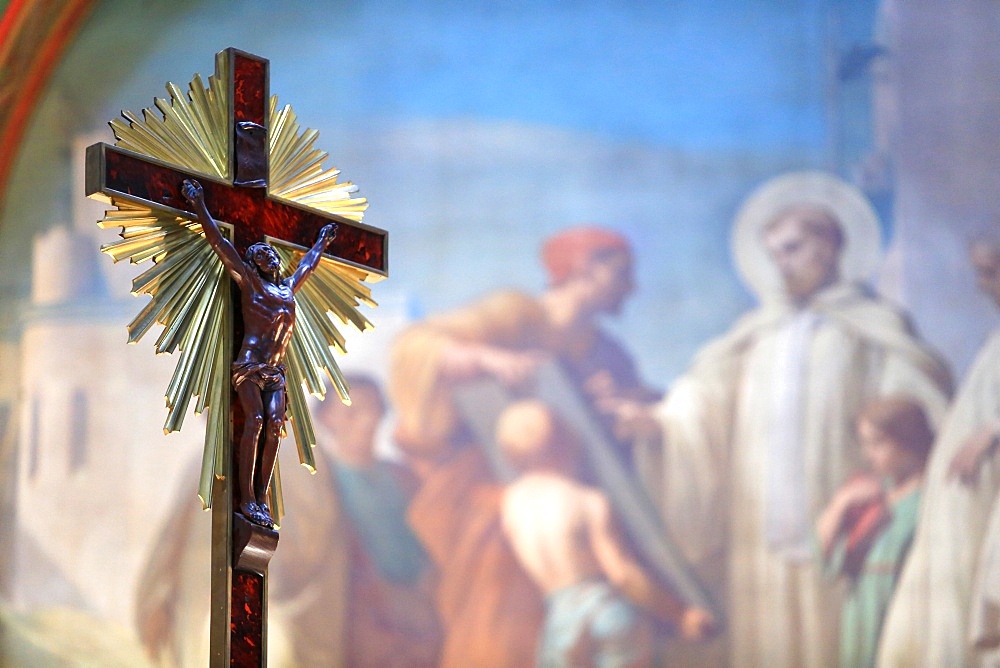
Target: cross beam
{"points": [[125, 175]]}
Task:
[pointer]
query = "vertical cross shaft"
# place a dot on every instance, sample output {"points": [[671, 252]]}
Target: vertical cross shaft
{"points": [[239, 595]]}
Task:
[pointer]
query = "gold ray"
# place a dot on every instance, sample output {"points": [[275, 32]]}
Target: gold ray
{"points": [[217, 429], [189, 291], [296, 172], [188, 131], [298, 410], [309, 354], [277, 499]]}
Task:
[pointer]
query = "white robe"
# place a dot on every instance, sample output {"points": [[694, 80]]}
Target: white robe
{"points": [[984, 626], [757, 437], [928, 622]]}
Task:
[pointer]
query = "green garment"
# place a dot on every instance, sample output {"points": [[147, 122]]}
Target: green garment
{"points": [[870, 593]]}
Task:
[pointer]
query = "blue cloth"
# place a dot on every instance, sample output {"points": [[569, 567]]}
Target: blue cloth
{"points": [[376, 504], [591, 624]]}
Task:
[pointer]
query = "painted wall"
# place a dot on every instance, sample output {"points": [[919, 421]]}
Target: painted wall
{"points": [[477, 130]]}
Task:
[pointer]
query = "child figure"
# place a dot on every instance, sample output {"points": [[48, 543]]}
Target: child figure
{"points": [[563, 532], [866, 530]]}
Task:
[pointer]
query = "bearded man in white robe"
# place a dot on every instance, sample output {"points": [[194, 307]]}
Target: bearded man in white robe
{"points": [[760, 432], [929, 621]]}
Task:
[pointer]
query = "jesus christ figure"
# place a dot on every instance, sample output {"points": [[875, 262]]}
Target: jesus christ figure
{"points": [[268, 307]]}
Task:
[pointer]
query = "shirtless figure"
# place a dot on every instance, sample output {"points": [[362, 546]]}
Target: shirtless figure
{"points": [[564, 535], [268, 307]]}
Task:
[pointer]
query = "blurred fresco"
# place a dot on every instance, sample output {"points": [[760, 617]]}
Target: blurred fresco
{"points": [[686, 354]]}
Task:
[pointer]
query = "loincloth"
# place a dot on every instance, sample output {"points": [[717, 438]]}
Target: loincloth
{"points": [[267, 377], [590, 623]]}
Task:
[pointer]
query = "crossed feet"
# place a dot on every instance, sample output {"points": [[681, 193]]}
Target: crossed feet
{"points": [[258, 513]]}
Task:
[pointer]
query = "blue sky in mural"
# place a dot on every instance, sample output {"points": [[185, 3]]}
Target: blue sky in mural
{"points": [[656, 118], [685, 74], [692, 75]]}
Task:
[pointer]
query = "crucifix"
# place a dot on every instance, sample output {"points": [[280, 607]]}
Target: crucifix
{"points": [[214, 156]]}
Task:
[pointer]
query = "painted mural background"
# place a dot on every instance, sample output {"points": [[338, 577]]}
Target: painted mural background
{"points": [[476, 131]]}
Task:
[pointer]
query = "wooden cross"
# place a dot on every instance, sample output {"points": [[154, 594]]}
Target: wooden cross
{"points": [[240, 550]]}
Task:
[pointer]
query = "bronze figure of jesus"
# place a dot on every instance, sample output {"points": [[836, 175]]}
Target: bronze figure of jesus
{"points": [[258, 375]]}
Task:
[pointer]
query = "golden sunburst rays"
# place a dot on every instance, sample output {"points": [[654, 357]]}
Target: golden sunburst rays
{"points": [[190, 299], [297, 173], [188, 288], [332, 291], [189, 131]]}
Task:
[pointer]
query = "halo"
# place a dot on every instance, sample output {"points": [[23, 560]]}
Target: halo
{"points": [[862, 241]]}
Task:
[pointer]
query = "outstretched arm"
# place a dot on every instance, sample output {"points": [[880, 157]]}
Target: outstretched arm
{"points": [[231, 260], [311, 259]]}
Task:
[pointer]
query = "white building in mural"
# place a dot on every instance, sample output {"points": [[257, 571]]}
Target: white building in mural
{"points": [[95, 471]]}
